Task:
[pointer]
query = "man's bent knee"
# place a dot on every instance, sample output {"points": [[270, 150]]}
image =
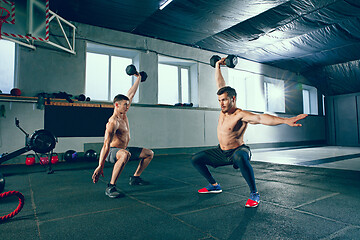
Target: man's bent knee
{"points": [[197, 158], [123, 155], [147, 153], [150, 153], [239, 159]]}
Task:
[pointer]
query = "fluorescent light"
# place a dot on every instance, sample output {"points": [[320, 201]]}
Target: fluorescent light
{"points": [[164, 4]]}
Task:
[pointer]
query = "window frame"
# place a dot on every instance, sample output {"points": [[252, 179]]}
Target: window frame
{"points": [[179, 81], [110, 52], [308, 101], [313, 99], [192, 72]]}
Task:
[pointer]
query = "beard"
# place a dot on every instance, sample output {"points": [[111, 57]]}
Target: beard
{"points": [[225, 109]]}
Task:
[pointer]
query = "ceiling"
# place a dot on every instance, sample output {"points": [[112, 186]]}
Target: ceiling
{"points": [[319, 39]]}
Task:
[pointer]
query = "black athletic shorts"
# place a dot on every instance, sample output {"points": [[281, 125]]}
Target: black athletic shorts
{"points": [[134, 151], [219, 157]]}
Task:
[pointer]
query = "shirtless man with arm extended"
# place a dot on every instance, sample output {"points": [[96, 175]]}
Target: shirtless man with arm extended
{"points": [[232, 150], [115, 148]]}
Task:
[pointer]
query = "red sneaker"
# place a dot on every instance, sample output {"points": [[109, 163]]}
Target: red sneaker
{"points": [[253, 201], [211, 189]]}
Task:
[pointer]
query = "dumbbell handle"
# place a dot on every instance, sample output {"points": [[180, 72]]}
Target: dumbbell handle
{"points": [[131, 70], [221, 61], [229, 61], [142, 74]]}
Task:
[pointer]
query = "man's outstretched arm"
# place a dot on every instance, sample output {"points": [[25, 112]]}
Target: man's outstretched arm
{"points": [[271, 120], [220, 82]]}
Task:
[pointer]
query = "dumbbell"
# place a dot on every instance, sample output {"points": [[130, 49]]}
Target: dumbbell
{"points": [[230, 60], [131, 70], [81, 97], [70, 155]]}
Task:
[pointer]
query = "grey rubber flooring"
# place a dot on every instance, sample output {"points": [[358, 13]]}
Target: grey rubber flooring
{"points": [[297, 202]]}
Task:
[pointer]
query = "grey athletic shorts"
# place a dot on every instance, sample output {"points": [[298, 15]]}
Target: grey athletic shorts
{"points": [[134, 151]]}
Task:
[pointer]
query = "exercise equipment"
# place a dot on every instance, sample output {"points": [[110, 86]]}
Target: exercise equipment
{"points": [[44, 159], [131, 70], [70, 155], [19, 207], [81, 97], [214, 59], [184, 104], [54, 158], [2, 183], [41, 141], [15, 92], [91, 155], [230, 60], [30, 159]]}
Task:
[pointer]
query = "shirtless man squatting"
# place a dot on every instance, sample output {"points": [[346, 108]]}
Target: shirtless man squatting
{"points": [[115, 148], [232, 150]]}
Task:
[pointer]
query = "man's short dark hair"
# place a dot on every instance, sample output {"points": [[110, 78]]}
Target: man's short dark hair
{"points": [[120, 97], [229, 90]]}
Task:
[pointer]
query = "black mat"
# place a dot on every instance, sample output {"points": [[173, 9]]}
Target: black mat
{"points": [[296, 203]]}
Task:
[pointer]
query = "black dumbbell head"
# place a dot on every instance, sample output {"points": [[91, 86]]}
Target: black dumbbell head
{"points": [[214, 59], [131, 70], [231, 61], [143, 76], [81, 97]]}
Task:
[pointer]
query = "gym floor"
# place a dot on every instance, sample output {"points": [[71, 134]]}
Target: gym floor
{"points": [[304, 195]]}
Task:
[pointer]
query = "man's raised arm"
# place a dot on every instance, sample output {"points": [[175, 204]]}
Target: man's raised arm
{"points": [[220, 82], [134, 88]]}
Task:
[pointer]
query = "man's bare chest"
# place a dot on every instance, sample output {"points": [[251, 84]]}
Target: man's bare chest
{"points": [[122, 127], [229, 124]]}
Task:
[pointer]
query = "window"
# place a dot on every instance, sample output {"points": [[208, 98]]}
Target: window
{"points": [[310, 100], [7, 66], [168, 84], [238, 82], [274, 95], [306, 101], [248, 88], [174, 81], [105, 72]]}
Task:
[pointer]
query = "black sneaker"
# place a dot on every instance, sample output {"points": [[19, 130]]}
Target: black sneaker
{"points": [[137, 181], [112, 192]]}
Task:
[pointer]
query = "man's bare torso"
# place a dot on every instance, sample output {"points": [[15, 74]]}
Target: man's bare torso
{"points": [[230, 130], [121, 136]]}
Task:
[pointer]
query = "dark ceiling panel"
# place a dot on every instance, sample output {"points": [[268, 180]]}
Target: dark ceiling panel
{"points": [[122, 15], [322, 41], [337, 79], [304, 36], [278, 26], [189, 21]]}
